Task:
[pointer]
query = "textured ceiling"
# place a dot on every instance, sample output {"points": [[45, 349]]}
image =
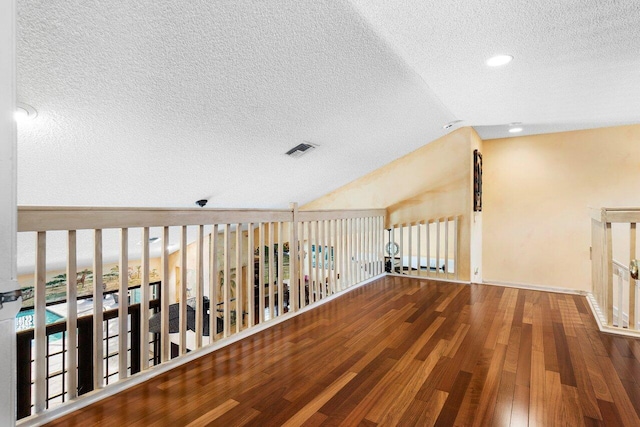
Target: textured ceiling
{"points": [[576, 62], [153, 103], [164, 103]]}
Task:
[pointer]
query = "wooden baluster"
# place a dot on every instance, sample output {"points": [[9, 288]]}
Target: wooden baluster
{"points": [[123, 304], [350, 251], [410, 245], [341, 254], [446, 247], [428, 246], [632, 283], [333, 263], [294, 260], [98, 318], [367, 246], [72, 315], [226, 298], [281, 270], [310, 255], [199, 285], [316, 278], [261, 272], [374, 246], [251, 289], [401, 237], [327, 276], [271, 269], [356, 250], [392, 255], [303, 253], [144, 301], [609, 269], [620, 296], [373, 258], [214, 282], [455, 247], [165, 344], [182, 321], [239, 285], [361, 250], [40, 333], [322, 238], [419, 248], [438, 265], [380, 246]]}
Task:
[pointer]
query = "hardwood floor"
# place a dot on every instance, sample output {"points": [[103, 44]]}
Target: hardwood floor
{"points": [[403, 351]]}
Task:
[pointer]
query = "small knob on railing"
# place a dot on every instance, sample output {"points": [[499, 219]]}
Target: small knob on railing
{"points": [[633, 269]]}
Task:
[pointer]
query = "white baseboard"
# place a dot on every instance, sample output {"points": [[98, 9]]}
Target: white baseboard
{"points": [[536, 287], [97, 395], [438, 279]]}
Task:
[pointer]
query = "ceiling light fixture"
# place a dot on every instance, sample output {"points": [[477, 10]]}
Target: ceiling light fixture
{"points": [[499, 60], [24, 112], [515, 130]]}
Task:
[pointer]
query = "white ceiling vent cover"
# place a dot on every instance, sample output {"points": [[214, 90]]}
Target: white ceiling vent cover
{"points": [[300, 149]]}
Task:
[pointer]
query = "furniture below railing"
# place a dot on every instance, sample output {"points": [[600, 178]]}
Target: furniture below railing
{"points": [[427, 248], [614, 292], [252, 265]]}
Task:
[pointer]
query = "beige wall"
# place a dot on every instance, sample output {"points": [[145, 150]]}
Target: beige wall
{"points": [[536, 225], [433, 181]]}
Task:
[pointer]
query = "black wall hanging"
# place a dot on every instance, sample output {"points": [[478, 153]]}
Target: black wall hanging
{"points": [[477, 181]]}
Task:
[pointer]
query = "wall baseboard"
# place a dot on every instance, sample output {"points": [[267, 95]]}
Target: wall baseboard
{"points": [[536, 287], [97, 395], [439, 279]]}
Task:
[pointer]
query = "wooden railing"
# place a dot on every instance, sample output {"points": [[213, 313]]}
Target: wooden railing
{"points": [[253, 266], [427, 248], [614, 292]]}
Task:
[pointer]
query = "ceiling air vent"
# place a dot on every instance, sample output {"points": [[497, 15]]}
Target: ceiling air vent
{"points": [[299, 150]]}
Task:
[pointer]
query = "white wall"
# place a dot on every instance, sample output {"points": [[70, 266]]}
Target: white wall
{"points": [[7, 210]]}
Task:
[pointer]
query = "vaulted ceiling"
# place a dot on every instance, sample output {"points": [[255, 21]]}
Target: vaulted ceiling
{"points": [[162, 103]]}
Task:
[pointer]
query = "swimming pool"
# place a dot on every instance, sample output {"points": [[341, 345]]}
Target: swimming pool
{"points": [[26, 320]]}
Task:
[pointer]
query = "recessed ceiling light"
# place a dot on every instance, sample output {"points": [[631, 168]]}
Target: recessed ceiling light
{"points": [[515, 130], [24, 112], [451, 124], [499, 60]]}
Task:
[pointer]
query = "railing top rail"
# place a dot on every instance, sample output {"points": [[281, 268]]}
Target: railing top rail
{"points": [[48, 218], [615, 214], [339, 214], [425, 221]]}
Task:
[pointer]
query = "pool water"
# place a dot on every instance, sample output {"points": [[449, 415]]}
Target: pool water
{"points": [[26, 320]]}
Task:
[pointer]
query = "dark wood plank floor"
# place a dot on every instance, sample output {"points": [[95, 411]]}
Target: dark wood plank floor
{"points": [[403, 351]]}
